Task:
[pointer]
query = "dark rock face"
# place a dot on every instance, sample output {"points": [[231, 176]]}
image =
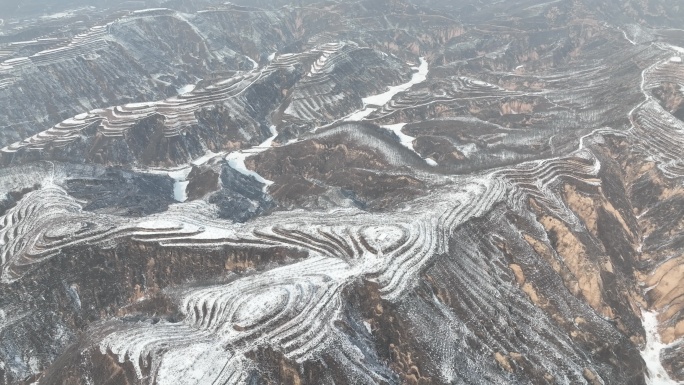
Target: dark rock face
{"points": [[240, 197], [370, 192], [125, 193]]}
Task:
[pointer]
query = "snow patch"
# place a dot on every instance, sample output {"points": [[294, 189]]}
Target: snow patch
{"points": [[269, 141], [137, 12], [406, 141], [179, 192], [255, 65], [139, 105], [368, 326], [20, 43], [16, 60], [204, 158], [675, 59], [185, 89], [361, 114], [180, 184], [675, 48], [58, 15], [467, 149], [236, 160], [158, 224]]}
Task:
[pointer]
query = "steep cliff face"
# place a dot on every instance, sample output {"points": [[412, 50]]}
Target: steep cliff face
{"points": [[394, 192]]}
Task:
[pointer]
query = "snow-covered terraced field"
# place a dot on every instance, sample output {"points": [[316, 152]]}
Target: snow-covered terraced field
{"points": [[178, 112], [342, 193], [294, 308]]}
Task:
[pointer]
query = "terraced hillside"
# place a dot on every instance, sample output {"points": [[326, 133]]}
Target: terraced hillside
{"points": [[368, 192]]}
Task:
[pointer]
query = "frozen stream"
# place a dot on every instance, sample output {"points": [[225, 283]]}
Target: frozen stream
{"points": [[372, 103], [651, 353], [382, 99], [236, 159], [179, 176], [406, 140]]}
